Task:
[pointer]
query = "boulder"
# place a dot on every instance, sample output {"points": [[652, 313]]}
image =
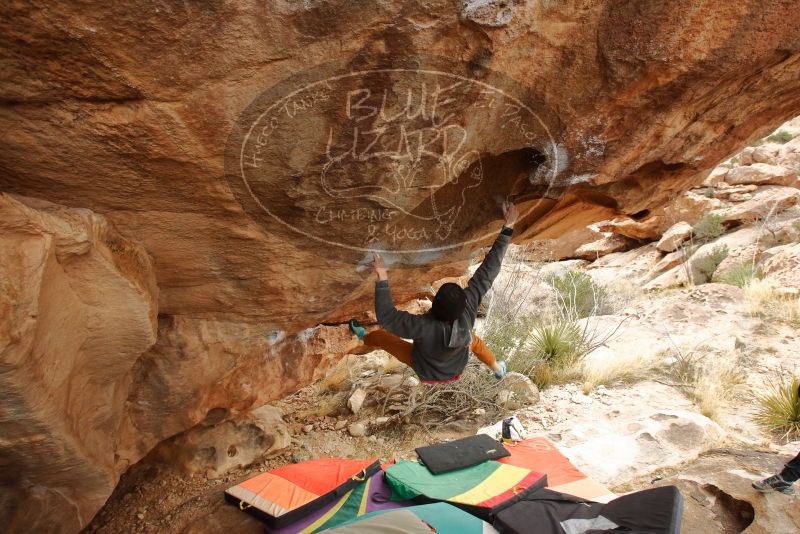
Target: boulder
{"points": [[761, 174], [746, 155], [768, 200], [78, 306], [765, 153], [716, 176], [631, 266], [783, 265], [218, 449], [604, 246], [689, 206], [674, 237], [140, 115], [646, 427], [718, 496], [518, 391]]}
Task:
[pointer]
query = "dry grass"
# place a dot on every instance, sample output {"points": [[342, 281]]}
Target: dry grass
{"points": [[709, 377], [621, 369], [762, 299], [759, 296]]}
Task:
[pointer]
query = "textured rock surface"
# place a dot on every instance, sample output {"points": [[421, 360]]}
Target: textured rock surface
{"points": [[87, 390], [718, 496], [761, 174], [142, 101], [674, 236], [216, 450], [77, 308], [124, 109]]}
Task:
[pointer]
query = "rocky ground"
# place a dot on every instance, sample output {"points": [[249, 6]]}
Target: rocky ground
{"points": [[628, 416]]}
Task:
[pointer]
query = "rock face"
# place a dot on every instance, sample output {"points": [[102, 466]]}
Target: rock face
{"points": [[78, 308], [718, 496], [672, 238], [165, 298], [215, 450], [761, 174], [91, 381]]}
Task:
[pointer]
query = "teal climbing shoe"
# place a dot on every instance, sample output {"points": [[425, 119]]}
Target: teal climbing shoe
{"points": [[357, 329], [502, 372]]}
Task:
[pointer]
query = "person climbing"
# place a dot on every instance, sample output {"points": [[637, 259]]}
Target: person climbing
{"points": [[782, 482], [441, 338]]}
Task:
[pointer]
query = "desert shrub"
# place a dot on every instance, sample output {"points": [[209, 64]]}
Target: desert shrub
{"points": [[741, 274], [709, 227], [780, 137], [709, 192], [578, 295], [504, 337], [735, 160], [707, 264], [760, 297], [758, 142], [789, 311], [625, 368], [779, 409], [708, 377]]}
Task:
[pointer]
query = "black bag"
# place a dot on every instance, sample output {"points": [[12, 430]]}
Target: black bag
{"points": [[461, 453]]}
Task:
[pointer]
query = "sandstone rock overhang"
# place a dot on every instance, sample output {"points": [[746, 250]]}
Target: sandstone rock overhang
{"points": [[125, 110]]}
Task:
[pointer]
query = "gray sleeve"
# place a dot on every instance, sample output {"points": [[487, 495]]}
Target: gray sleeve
{"points": [[482, 280], [398, 322]]}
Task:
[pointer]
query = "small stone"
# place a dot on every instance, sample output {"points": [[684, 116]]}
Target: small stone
{"points": [[357, 430], [308, 428], [356, 400], [478, 411], [140, 516], [340, 424]]}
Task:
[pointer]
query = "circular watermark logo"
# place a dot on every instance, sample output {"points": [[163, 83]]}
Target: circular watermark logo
{"points": [[410, 161]]}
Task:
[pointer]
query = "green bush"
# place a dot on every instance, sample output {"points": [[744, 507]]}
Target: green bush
{"points": [[709, 192], [779, 410], [578, 295], [708, 263], [506, 334], [741, 274], [709, 227], [758, 142], [780, 137]]}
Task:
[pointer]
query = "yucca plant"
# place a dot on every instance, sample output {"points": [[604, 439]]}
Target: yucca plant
{"points": [[556, 343], [779, 410]]}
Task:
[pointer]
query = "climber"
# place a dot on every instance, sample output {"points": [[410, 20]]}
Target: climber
{"points": [[442, 338], [784, 481]]}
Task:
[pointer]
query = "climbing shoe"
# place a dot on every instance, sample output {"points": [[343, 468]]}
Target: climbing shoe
{"points": [[502, 372], [357, 329], [774, 483]]}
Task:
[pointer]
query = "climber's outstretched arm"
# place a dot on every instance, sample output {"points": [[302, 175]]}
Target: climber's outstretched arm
{"points": [[484, 276], [398, 322]]}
